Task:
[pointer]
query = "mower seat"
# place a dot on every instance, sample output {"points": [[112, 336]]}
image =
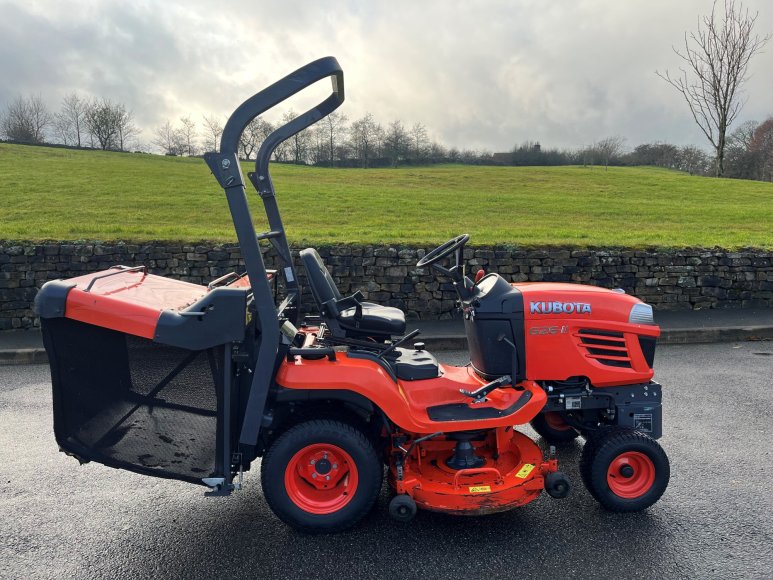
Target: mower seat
{"points": [[351, 316]]}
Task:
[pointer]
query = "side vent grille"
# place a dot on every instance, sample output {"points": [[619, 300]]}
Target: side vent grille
{"points": [[605, 346]]}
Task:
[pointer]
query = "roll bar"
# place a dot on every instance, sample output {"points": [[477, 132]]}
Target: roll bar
{"points": [[275, 94], [226, 169]]}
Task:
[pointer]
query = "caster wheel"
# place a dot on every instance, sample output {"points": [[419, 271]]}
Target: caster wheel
{"points": [[625, 470], [552, 428], [321, 476], [402, 508], [557, 485]]}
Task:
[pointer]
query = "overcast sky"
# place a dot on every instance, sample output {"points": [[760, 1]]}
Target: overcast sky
{"points": [[478, 74]]}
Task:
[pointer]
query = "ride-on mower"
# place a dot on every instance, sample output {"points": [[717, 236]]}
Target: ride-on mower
{"points": [[172, 379]]}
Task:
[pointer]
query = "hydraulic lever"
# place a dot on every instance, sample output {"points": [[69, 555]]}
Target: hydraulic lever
{"points": [[397, 343], [479, 395]]}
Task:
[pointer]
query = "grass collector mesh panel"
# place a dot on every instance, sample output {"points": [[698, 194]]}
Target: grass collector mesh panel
{"points": [[131, 403]]}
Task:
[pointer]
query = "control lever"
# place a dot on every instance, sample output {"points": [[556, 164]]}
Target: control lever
{"points": [[514, 365], [397, 343], [480, 394]]}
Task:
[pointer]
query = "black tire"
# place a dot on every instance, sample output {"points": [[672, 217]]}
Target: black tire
{"points": [[356, 446], [402, 508], [557, 485], [641, 479], [549, 433], [585, 463], [588, 450]]}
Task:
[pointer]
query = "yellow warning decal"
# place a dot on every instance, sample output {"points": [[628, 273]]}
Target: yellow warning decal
{"points": [[480, 489], [524, 472]]}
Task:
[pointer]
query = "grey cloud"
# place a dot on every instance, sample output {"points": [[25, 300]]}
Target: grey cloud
{"points": [[477, 74]]}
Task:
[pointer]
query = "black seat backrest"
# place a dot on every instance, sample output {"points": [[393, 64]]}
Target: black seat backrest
{"points": [[321, 282]]}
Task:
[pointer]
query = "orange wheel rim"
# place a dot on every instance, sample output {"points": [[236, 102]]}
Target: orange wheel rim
{"points": [[631, 475], [321, 478]]}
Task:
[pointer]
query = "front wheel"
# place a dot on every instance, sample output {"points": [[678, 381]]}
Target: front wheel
{"points": [[625, 470], [321, 476]]}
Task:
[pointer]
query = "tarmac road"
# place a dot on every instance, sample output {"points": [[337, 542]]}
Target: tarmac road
{"points": [[61, 520]]}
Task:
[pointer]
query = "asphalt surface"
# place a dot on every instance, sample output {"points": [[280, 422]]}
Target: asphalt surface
{"points": [[62, 520]]}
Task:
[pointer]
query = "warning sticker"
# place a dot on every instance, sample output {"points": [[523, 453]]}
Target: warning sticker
{"points": [[524, 472], [480, 489], [643, 422]]}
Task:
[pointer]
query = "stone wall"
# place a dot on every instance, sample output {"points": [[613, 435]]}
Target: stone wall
{"points": [[667, 279]]}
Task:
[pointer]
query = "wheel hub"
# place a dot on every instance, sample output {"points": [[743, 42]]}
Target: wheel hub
{"points": [[323, 466], [321, 478]]}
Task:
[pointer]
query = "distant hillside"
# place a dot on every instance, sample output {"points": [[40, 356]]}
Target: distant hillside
{"points": [[61, 194]]}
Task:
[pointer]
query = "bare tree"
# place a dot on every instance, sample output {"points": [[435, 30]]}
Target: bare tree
{"points": [[319, 152], [168, 139], [366, 136], [188, 135], [715, 62], [469, 156], [396, 142], [743, 135], [26, 119], [296, 147], [213, 130], [419, 141], [609, 148], [692, 159], [253, 135], [39, 116], [73, 114], [125, 127], [335, 128], [63, 129], [437, 153], [102, 122]]}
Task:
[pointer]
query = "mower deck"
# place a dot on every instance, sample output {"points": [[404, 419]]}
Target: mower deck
{"points": [[512, 475]]}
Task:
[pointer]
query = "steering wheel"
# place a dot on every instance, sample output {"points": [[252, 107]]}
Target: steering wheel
{"points": [[443, 251]]}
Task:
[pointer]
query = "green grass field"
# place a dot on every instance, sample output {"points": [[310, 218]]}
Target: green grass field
{"points": [[59, 194]]}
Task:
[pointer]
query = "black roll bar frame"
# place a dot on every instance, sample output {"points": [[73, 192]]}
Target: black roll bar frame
{"points": [[226, 169]]}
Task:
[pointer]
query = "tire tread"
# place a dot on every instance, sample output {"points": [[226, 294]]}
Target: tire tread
{"points": [[304, 431], [593, 469]]}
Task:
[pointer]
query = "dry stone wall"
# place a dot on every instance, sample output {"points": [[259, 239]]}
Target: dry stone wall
{"points": [[681, 279]]}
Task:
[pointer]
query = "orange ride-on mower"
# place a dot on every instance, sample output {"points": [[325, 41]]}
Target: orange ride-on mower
{"points": [[172, 379]]}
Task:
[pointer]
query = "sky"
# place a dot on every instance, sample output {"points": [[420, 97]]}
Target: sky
{"points": [[478, 74]]}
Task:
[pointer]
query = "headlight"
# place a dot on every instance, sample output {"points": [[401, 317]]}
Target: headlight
{"points": [[641, 314]]}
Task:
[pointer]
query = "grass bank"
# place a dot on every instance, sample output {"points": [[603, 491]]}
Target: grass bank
{"points": [[63, 194]]}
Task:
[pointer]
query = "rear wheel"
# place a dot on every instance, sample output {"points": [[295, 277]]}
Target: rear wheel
{"points": [[321, 476], [552, 428], [625, 470]]}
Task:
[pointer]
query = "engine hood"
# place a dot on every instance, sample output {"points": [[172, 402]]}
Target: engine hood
{"points": [[549, 300]]}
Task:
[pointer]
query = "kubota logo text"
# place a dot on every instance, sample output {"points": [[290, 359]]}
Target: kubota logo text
{"points": [[559, 308]]}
